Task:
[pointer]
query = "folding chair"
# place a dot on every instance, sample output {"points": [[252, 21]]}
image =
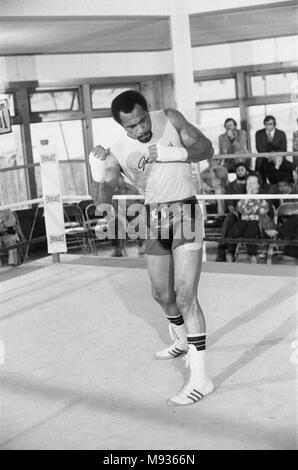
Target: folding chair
{"points": [[286, 209], [77, 232]]}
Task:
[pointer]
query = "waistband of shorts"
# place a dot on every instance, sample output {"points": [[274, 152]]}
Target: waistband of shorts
{"points": [[190, 200]]}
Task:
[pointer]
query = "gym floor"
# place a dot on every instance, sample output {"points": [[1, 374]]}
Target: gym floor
{"points": [[79, 373]]}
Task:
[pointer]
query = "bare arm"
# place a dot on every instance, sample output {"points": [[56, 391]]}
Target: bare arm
{"points": [[104, 179], [196, 143]]}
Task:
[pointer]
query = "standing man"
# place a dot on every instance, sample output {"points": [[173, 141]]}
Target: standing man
{"points": [[269, 139], [233, 141], [156, 155]]}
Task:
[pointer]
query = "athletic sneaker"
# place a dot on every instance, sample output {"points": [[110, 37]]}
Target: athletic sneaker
{"points": [[198, 385], [179, 346]]}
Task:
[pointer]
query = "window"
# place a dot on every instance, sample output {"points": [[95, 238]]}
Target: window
{"points": [[10, 98], [274, 84], [285, 114], [73, 178], [13, 186], [106, 131], [54, 100], [214, 90], [11, 149], [101, 98], [211, 122], [67, 136]]}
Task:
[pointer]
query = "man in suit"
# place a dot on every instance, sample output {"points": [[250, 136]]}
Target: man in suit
{"points": [[269, 139], [233, 141]]}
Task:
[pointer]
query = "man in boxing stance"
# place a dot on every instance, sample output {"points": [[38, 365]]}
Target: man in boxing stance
{"points": [[156, 155]]}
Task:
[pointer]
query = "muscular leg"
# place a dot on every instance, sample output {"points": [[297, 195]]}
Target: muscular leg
{"points": [[187, 269], [161, 273]]}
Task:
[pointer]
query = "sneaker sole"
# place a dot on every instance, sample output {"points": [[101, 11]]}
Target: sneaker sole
{"points": [[172, 403], [160, 358]]}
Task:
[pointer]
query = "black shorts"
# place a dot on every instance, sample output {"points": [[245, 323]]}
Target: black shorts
{"points": [[173, 224]]}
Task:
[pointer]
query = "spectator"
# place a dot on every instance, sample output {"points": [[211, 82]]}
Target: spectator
{"points": [[233, 141], [275, 166], [295, 147], [236, 187], [269, 139], [254, 218], [8, 235], [284, 186]]}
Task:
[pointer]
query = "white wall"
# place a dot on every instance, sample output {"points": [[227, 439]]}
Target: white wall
{"points": [[263, 51], [72, 66]]}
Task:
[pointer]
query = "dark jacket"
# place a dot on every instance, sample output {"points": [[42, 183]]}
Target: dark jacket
{"points": [[272, 174], [278, 144], [234, 188]]}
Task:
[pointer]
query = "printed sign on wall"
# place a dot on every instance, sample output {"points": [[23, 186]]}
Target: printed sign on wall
{"points": [[52, 198], [5, 124]]}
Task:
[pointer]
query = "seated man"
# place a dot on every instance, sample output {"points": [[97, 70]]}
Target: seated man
{"points": [[236, 187], [233, 141], [8, 235], [254, 217], [284, 186], [269, 139]]}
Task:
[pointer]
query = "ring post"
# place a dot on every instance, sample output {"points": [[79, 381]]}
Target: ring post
{"points": [[56, 258]]}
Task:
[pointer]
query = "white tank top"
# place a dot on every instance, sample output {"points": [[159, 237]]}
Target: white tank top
{"points": [[158, 182]]}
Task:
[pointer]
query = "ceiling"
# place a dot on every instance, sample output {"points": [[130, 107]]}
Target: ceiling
{"points": [[125, 34], [57, 35], [245, 24]]}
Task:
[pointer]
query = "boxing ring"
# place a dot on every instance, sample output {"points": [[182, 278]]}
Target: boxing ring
{"points": [[77, 368], [79, 371]]}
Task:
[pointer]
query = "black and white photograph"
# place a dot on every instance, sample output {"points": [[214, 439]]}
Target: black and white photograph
{"points": [[148, 229]]}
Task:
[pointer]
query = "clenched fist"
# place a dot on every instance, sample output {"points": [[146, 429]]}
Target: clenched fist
{"points": [[100, 152]]}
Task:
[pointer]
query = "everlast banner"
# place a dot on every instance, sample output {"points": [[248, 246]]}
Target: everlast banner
{"points": [[53, 198], [53, 207]]}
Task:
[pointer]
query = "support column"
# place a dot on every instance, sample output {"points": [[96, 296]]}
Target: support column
{"points": [[184, 87], [182, 58]]}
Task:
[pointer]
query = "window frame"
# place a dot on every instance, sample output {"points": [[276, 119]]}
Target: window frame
{"points": [[218, 77], [35, 115], [249, 75], [95, 86]]}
